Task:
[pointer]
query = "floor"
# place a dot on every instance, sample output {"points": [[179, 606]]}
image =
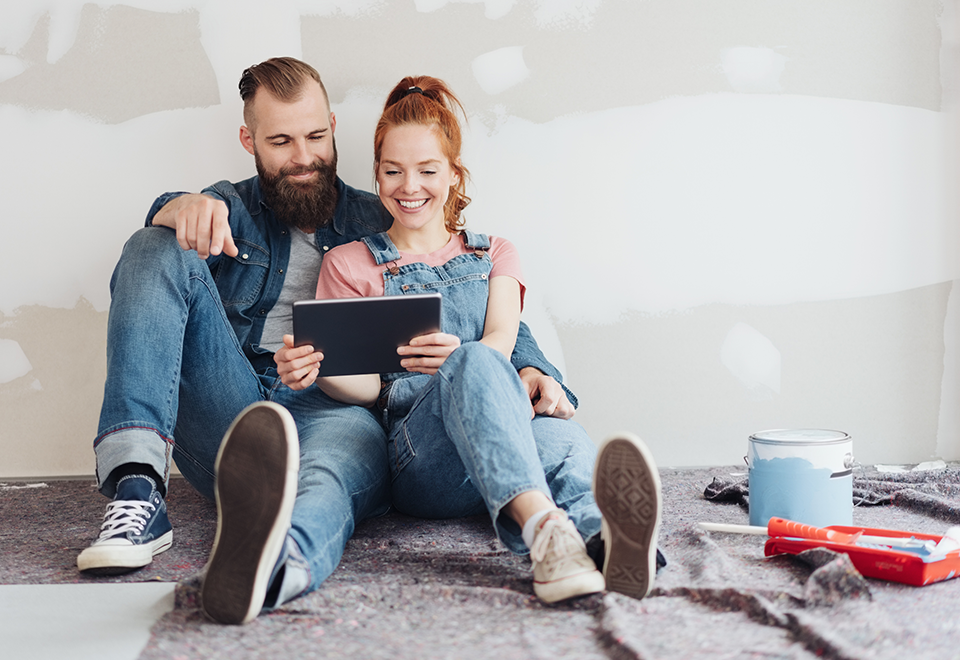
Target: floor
{"points": [[413, 589], [80, 621]]}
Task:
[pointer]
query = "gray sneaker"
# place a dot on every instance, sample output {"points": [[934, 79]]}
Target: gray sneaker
{"points": [[256, 485], [626, 486], [135, 528]]}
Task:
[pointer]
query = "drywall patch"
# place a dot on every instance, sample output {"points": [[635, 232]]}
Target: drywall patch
{"points": [[493, 9], [13, 361], [566, 13], [753, 359], [948, 430], [64, 26], [125, 63], [753, 70], [10, 67], [501, 69], [869, 366], [49, 430], [594, 56], [725, 198], [17, 24]]}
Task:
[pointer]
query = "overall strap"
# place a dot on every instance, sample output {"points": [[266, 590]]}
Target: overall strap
{"points": [[383, 250], [479, 243]]}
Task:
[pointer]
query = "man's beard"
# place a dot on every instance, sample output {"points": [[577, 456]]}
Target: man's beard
{"points": [[306, 205]]}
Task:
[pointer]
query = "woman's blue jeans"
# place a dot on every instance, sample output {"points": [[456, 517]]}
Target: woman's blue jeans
{"points": [[468, 445]]}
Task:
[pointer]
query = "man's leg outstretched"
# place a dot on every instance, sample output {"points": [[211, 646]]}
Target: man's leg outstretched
{"points": [[175, 371], [343, 480]]}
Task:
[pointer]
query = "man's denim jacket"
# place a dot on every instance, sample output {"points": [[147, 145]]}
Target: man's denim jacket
{"points": [[250, 283]]}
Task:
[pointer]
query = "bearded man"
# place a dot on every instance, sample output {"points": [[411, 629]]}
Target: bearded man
{"points": [[196, 316]]}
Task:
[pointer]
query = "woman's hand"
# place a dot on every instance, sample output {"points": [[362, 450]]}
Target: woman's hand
{"points": [[429, 351], [298, 367]]}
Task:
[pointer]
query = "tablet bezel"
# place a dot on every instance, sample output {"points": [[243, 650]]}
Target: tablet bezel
{"points": [[361, 335]]}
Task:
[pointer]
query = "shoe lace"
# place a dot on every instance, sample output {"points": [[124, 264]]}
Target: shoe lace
{"points": [[564, 544], [124, 516]]}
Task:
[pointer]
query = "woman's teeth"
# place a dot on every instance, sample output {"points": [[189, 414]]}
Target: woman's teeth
{"points": [[412, 205]]}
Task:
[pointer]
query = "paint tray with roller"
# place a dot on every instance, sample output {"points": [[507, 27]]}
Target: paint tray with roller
{"points": [[883, 554]]}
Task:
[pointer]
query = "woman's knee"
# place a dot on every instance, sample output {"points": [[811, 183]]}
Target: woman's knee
{"points": [[476, 355], [561, 438]]}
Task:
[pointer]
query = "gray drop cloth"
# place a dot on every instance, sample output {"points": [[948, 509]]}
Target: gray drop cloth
{"points": [[410, 588], [934, 492], [427, 589]]}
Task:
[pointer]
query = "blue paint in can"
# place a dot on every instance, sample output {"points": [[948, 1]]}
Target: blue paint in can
{"points": [[792, 488], [801, 475]]}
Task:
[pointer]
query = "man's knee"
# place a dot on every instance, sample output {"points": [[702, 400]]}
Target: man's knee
{"points": [[150, 242], [152, 254]]}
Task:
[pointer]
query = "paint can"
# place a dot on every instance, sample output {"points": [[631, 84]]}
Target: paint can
{"points": [[804, 475]]}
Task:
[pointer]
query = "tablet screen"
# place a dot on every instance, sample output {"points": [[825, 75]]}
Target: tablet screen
{"points": [[361, 335]]}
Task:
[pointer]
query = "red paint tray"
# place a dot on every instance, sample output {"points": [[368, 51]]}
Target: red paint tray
{"points": [[881, 563]]}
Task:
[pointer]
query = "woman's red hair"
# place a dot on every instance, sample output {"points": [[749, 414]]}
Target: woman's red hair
{"points": [[427, 101]]}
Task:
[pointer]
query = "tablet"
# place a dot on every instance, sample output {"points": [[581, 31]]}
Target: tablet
{"points": [[361, 335]]}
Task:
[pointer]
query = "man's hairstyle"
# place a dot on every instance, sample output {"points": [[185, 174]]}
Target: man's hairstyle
{"points": [[283, 77]]}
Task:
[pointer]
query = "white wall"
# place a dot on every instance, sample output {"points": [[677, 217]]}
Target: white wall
{"points": [[733, 215]]}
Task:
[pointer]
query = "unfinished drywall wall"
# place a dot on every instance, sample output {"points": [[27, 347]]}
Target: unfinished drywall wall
{"points": [[711, 376], [717, 204]]}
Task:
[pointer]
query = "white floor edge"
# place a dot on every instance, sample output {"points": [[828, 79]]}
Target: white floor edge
{"points": [[81, 621]]}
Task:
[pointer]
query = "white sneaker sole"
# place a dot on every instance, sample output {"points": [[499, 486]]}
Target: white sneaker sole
{"points": [[116, 558], [573, 586], [257, 469], [626, 486]]}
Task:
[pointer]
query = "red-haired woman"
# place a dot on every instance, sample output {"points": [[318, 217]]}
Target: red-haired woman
{"points": [[459, 419]]}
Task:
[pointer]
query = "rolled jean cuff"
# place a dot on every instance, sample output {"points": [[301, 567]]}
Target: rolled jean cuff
{"points": [[131, 443], [509, 532]]}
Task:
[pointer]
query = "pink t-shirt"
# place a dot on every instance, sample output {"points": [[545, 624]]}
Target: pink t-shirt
{"points": [[349, 271]]}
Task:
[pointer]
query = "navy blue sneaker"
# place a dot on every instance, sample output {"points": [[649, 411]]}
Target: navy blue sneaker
{"points": [[135, 528]]}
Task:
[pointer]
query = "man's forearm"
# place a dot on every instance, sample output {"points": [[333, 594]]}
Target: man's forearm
{"points": [[527, 354], [158, 206]]}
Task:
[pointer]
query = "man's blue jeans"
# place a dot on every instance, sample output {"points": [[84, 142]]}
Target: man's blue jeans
{"points": [[177, 377]]}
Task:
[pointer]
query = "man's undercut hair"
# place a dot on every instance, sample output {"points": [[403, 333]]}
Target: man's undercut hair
{"points": [[283, 77]]}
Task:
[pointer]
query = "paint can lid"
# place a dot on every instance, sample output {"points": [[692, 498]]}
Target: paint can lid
{"points": [[800, 437]]}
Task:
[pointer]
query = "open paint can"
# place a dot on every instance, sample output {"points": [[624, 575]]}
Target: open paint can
{"points": [[804, 475]]}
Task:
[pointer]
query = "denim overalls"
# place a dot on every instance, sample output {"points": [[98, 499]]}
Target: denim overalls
{"points": [[460, 441]]}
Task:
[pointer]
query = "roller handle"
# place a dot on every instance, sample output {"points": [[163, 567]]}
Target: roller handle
{"points": [[782, 527]]}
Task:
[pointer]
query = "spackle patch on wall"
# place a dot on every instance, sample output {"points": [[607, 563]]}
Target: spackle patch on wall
{"points": [[753, 359], [13, 361], [501, 69], [753, 70]]}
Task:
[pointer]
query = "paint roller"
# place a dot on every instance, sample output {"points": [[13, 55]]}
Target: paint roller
{"points": [[780, 527]]}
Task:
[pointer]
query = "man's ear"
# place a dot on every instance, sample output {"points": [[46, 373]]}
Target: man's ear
{"points": [[333, 122], [246, 139]]}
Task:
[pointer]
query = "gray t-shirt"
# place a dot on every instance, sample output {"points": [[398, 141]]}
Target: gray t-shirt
{"points": [[300, 283]]}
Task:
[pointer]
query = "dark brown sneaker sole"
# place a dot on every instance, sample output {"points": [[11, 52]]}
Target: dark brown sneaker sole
{"points": [[626, 486], [256, 486]]}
